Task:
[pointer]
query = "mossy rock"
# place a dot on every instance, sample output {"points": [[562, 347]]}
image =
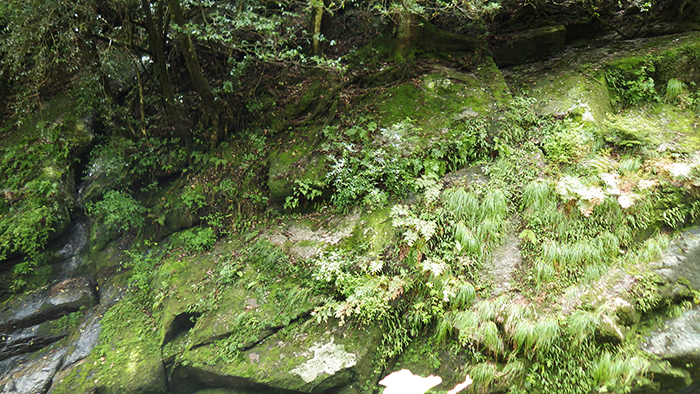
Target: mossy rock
{"points": [[168, 212], [253, 313], [529, 46], [561, 93], [127, 358], [443, 96], [668, 378], [304, 357], [295, 160]]}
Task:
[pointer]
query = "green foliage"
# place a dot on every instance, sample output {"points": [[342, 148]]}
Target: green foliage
{"points": [[33, 162], [38, 39], [71, 320], [483, 376], [673, 90], [581, 326], [616, 373], [645, 292], [369, 176], [307, 191], [632, 83], [143, 266], [130, 163], [465, 142], [627, 133], [119, 210], [197, 239], [565, 141]]}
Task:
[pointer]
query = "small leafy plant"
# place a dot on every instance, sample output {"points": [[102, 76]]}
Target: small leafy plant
{"points": [[118, 210]]}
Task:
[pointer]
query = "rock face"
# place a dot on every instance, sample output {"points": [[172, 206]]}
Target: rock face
{"points": [[62, 298], [32, 329], [680, 264], [306, 357], [529, 46], [677, 344], [33, 377]]}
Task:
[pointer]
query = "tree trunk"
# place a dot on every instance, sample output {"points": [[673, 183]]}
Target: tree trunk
{"points": [[317, 18], [210, 105], [156, 33]]}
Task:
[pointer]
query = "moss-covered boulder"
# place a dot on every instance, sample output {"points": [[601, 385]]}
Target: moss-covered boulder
{"points": [[127, 358], [296, 161], [304, 357]]}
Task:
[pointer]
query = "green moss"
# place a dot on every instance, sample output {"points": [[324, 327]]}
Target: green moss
{"points": [[295, 160], [372, 234], [126, 359], [572, 91], [443, 95], [279, 361]]}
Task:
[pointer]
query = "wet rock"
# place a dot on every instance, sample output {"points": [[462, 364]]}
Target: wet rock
{"points": [[60, 299], [529, 46], [33, 376], [505, 262], [81, 348], [30, 339], [70, 253]]}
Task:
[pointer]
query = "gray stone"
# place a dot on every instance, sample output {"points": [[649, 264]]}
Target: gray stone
{"points": [[89, 335], [678, 341], [30, 339], [34, 377], [60, 299]]}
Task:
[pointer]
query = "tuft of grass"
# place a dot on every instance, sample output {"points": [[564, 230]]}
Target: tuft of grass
{"points": [[674, 89], [465, 296], [488, 336], [594, 272], [483, 375], [485, 310], [602, 370], [543, 272], [465, 205], [513, 370], [536, 196], [494, 205], [524, 336], [469, 244], [618, 372], [546, 331], [514, 314], [581, 326], [444, 328], [489, 231], [465, 321], [630, 165]]}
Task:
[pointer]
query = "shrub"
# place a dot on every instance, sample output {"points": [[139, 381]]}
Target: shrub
{"points": [[118, 209]]}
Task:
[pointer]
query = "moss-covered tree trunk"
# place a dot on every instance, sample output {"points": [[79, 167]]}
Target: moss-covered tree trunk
{"points": [[405, 33]]}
